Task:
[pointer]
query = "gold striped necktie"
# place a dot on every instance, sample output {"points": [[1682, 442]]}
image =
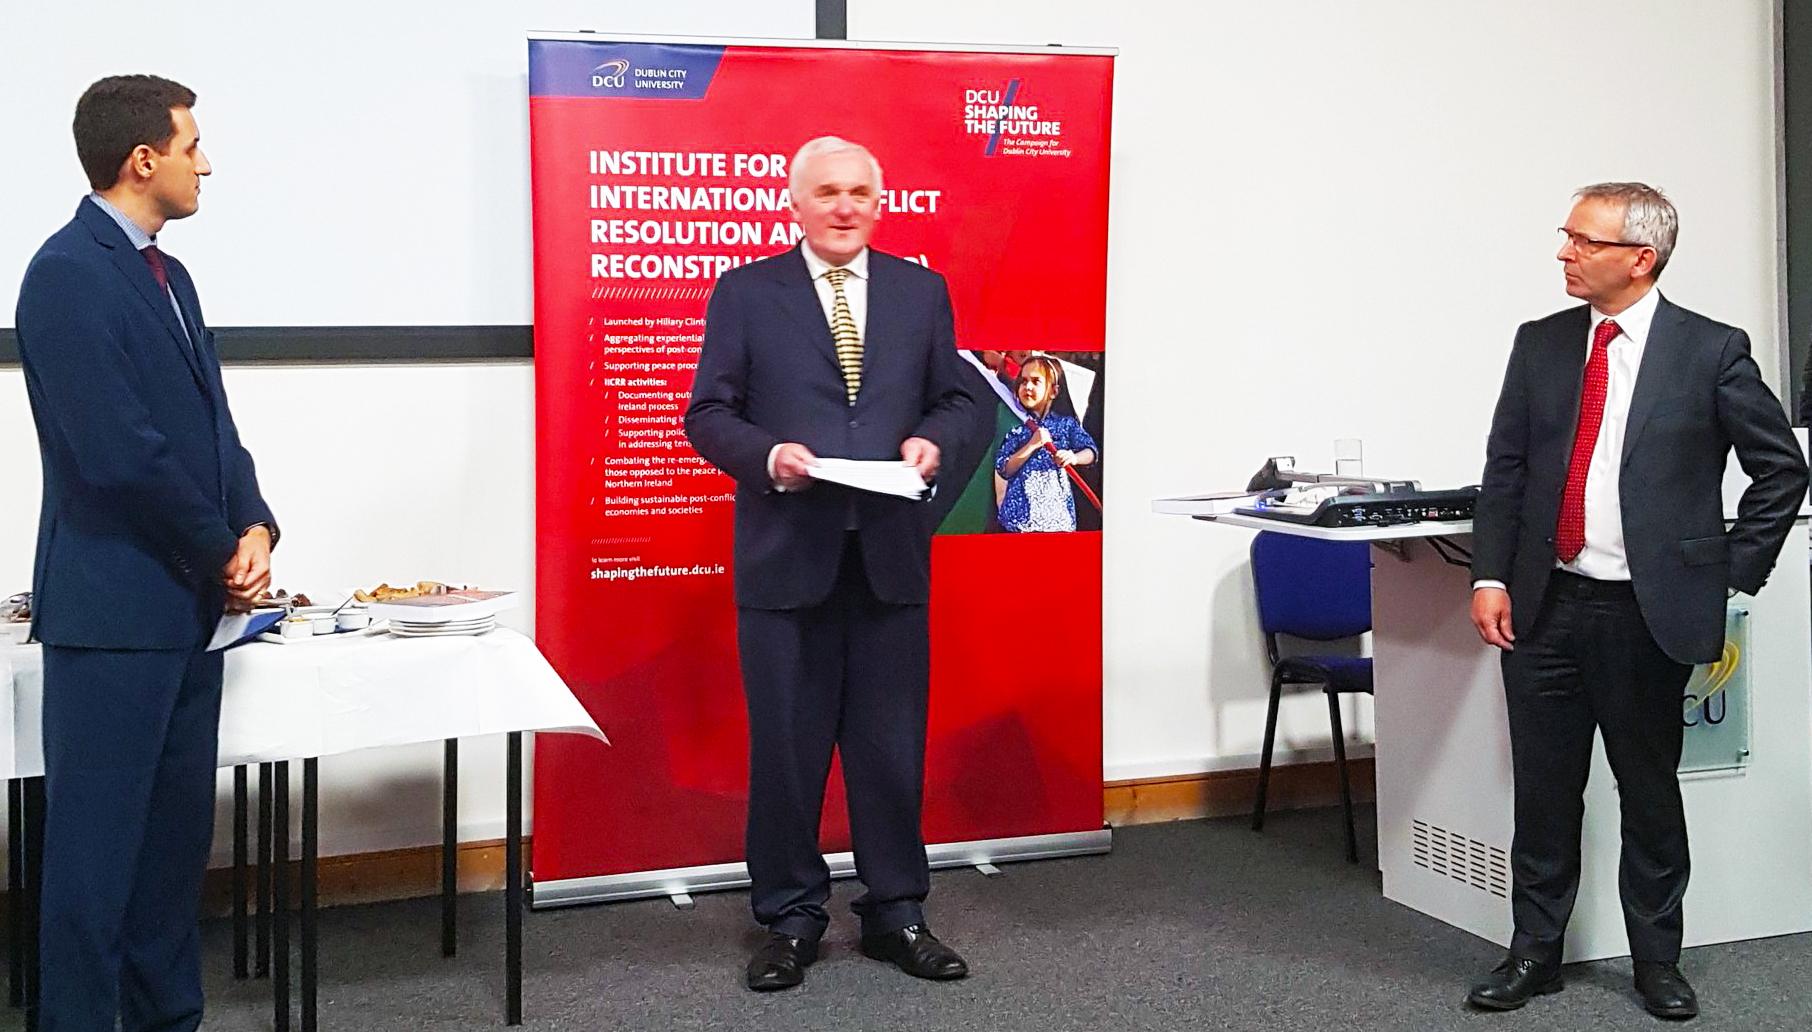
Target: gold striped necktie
{"points": [[846, 335]]}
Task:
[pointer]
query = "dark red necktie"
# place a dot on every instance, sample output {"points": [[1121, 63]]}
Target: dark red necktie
{"points": [[155, 259], [1569, 535]]}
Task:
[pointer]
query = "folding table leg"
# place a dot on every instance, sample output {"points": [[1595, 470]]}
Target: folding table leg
{"points": [[310, 847], [512, 888], [449, 851], [15, 881], [280, 899], [262, 946], [239, 871]]}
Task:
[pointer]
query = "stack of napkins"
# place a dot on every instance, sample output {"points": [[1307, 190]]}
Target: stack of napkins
{"points": [[889, 477]]}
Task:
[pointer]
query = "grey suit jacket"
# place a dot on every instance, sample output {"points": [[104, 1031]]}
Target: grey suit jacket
{"points": [[1698, 395]]}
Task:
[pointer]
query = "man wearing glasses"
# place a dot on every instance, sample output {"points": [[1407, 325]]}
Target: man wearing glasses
{"points": [[1601, 566]]}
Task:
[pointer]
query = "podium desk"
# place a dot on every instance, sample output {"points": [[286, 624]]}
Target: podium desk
{"points": [[1442, 753]]}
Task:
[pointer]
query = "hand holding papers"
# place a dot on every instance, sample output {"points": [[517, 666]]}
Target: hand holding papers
{"points": [[889, 477]]}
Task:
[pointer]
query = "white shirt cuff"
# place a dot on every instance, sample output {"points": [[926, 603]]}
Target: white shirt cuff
{"points": [[1498, 584], [772, 452]]}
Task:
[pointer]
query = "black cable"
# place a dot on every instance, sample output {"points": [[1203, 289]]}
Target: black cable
{"points": [[1450, 553]]}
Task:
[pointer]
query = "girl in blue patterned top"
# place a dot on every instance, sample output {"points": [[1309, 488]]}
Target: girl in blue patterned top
{"points": [[1036, 495]]}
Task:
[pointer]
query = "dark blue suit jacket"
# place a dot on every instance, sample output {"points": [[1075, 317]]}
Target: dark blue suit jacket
{"points": [[768, 374], [1698, 395], [146, 486]]}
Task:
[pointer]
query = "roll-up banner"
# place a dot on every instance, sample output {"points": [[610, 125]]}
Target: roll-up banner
{"points": [[657, 165]]}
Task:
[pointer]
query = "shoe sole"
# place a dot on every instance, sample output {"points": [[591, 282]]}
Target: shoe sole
{"points": [[1672, 1013], [1485, 1003]]}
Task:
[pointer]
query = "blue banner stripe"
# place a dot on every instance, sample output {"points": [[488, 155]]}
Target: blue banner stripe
{"points": [[643, 71]]}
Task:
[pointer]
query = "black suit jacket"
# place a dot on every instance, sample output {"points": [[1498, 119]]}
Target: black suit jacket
{"points": [[1698, 394], [146, 485], [768, 374]]}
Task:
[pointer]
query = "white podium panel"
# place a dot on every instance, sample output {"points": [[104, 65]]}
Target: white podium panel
{"points": [[1445, 789]]}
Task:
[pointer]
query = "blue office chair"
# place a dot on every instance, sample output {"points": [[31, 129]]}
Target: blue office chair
{"points": [[1321, 591]]}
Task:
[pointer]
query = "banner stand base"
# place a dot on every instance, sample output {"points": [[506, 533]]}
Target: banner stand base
{"points": [[686, 881]]}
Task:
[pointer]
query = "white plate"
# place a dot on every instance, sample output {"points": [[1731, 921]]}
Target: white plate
{"points": [[404, 631], [429, 624], [415, 625]]}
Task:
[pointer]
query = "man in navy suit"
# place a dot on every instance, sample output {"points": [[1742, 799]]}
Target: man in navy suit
{"points": [[1602, 564], [832, 349], [152, 525]]}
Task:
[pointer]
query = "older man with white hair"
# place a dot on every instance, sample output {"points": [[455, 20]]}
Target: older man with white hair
{"points": [[832, 349], [1602, 564]]}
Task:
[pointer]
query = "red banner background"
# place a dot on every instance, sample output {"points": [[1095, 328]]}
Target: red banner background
{"points": [[633, 600]]}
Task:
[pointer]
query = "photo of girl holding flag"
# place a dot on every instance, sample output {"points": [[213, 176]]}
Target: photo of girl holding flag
{"points": [[1036, 461]]}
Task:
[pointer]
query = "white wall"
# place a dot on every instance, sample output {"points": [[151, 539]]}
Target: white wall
{"points": [[371, 168], [1328, 219], [370, 156]]}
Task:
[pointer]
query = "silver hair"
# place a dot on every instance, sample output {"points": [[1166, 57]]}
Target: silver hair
{"points": [[1649, 217], [828, 145]]}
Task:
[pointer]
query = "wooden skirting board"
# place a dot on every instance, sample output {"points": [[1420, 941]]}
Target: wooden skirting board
{"points": [[413, 872], [409, 873], [1227, 792], [374, 877]]}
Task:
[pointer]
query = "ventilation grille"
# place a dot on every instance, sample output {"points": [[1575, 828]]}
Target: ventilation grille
{"points": [[1468, 861]]}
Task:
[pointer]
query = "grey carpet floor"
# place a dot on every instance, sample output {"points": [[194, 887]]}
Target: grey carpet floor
{"points": [[1197, 925]]}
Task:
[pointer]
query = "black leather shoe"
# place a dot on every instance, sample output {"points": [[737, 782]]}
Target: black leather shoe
{"points": [[1513, 983], [1665, 992], [780, 963], [917, 952]]}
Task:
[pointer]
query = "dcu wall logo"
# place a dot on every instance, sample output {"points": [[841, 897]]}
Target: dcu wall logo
{"points": [[610, 74]]}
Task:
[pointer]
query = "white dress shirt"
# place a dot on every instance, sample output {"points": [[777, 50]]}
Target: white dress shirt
{"points": [[1603, 557], [855, 285], [855, 294]]}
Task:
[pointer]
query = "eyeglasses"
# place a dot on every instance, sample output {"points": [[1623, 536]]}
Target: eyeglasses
{"points": [[1586, 244]]}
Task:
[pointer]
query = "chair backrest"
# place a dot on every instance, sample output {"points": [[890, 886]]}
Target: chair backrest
{"points": [[1307, 588]]}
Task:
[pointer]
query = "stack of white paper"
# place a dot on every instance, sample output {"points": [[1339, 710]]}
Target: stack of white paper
{"points": [[882, 477]]}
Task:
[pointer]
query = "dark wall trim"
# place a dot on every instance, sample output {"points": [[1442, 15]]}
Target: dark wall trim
{"points": [[833, 19], [1796, 101], [253, 345]]}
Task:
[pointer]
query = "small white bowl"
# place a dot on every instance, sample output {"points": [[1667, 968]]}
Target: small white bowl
{"points": [[293, 628], [353, 620]]}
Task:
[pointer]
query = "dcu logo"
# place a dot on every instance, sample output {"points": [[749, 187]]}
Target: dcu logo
{"points": [[621, 71], [610, 74]]}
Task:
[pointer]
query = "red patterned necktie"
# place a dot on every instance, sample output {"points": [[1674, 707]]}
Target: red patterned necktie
{"points": [[155, 259], [1569, 535]]}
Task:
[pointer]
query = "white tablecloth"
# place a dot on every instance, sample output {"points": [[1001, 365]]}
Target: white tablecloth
{"points": [[335, 695], [7, 719]]}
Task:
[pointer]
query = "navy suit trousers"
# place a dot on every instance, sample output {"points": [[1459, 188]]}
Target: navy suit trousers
{"points": [[130, 745], [852, 673]]}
